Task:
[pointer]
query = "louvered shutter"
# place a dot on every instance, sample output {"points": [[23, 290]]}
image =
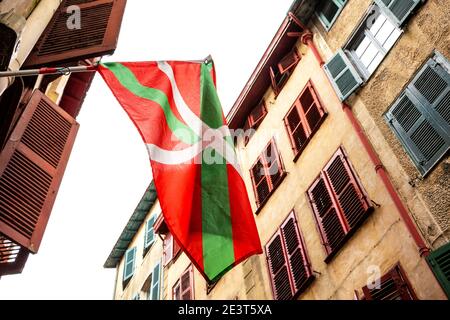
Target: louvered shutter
{"points": [[343, 76], [260, 182], [177, 291], [257, 115], [12, 257], [326, 213], [352, 202], [273, 165], [421, 116], [273, 81], [439, 261], [289, 62], [32, 165], [297, 260], [98, 35], [397, 10], [278, 268], [295, 129], [156, 279], [186, 290], [176, 248], [168, 248], [311, 107], [393, 286], [149, 236], [129, 264]]}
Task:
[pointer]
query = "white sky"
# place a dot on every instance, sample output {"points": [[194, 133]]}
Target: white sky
{"points": [[109, 169]]}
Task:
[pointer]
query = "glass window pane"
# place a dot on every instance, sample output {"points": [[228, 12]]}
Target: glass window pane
{"points": [[329, 9], [362, 47], [375, 62], [369, 55], [385, 32], [392, 38], [377, 24]]}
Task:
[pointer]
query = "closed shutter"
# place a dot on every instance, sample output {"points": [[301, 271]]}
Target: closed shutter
{"points": [[278, 268], [98, 35], [421, 116], [129, 265], [338, 201], [289, 62], [12, 257], [186, 290], [168, 248], [398, 10], [32, 165], [156, 280], [393, 286], [149, 237], [343, 76], [439, 261]]}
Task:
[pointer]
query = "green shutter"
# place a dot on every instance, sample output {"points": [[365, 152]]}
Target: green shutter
{"points": [[156, 279], [420, 116], [343, 75], [130, 258], [397, 10], [439, 261], [149, 236]]}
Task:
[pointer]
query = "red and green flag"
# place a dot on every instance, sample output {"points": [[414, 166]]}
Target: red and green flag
{"points": [[176, 109]]}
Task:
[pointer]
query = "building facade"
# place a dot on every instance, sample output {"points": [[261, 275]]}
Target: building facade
{"points": [[346, 166], [38, 113]]}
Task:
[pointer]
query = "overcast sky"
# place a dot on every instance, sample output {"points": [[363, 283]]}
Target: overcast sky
{"points": [[109, 169]]}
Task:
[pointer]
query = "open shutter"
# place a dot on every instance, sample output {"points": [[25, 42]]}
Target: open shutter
{"points": [[129, 265], [98, 35], [343, 76], [149, 237], [326, 214], [297, 260], [350, 198], [439, 261], [32, 165], [156, 279], [257, 115], [168, 248], [177, 291], [274, 167], [295, 129], [278, 268], [273, 81], [398, 10], [12, 257], [176, 248], [393, 286], [289, 61], [260, 182], [186, 285]]}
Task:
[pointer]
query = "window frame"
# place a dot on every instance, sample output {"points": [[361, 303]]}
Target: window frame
{"points": [[310, 132], [340, 4], [127, 277], [175, 249], [177, 284]]}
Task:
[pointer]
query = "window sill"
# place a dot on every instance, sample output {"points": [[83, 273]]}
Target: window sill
{"points": [[263, 203]]}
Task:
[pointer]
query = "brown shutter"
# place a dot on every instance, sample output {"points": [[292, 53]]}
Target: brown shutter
{"points": [[295, 129], [260, 182], [12, 257], [32, 165], [274, 167], [289, 61], [186, 285], [351, 199], [297, 259], [278, 268], [168, 248], [393, 286], [274, 82], [311, 108], [176, 248], [257, 115], [98, 35]]}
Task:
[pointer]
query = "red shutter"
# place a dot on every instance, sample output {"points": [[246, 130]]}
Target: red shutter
{"points": [[393, 286], [260, 182], [98, 35], [274, 82], [278, 268], [168, 248], [176, 248], [351, 199], [12, 257], [32, 165], [312, 110], [257, 115], [295, 252], [289, 61], [273, 165], [177, 291], [295, 129], [186, 285]]}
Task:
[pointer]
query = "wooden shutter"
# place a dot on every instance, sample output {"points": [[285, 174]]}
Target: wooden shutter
{"points": [[439, 261], [176, 248], [98, 35], [156, 279], [186, 285], [177, 291], [393, 286], [273, 165], [343, 76], [273, 81], [149, 236], [289, 62], [278, 268], [12, 257], [338, 201], [32, 165], [260, 182], [397, 10], [295, 128], [129, 264], [168, 248], [421, 116], [257, 115]]}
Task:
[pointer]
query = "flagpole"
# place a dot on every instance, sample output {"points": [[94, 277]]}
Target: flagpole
{"points": [[57, 70]]}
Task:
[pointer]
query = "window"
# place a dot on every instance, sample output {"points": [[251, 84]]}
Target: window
{"points": [[368, 45], [304, 118], [289, 267], [439, 261], [267, 173], [149, 235], [280, 73], [339, 203], [420, 117], [130, 261], [184, 288], [171, 249], [392, 286], [328, 11], [151, 287], [255, 118]]}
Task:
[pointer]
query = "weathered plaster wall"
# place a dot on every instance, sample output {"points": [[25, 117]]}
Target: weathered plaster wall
{"points": [[428, 29]]}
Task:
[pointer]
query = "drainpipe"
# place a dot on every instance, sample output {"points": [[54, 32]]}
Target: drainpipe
{"points": [[34, 27], [307, 39]]}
